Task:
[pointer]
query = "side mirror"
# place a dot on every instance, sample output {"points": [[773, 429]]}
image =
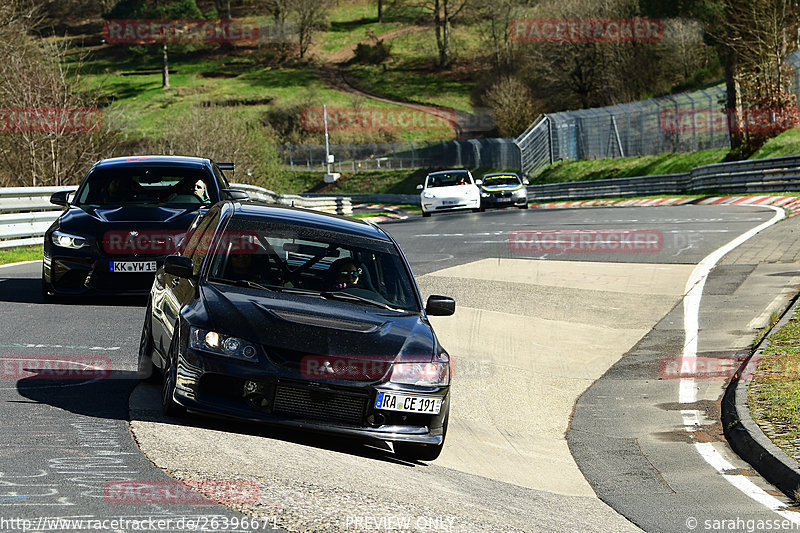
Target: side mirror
{"points": [[478, 182], [420, 187], [440, 306], [60, 198], [526, 182], [179, 266], [236, 195]]}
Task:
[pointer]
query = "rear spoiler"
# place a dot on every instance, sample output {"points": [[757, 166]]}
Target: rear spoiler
{"points": [[227, 166]]}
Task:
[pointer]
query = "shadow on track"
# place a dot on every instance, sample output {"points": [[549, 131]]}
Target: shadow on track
{"points": [[29, 291], [107, 397]]}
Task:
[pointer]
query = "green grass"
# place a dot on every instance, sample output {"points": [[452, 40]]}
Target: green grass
{"points": [[787, 143], [23, 253], [351, 23], [774, 393], [628, 166], [411, 75]]}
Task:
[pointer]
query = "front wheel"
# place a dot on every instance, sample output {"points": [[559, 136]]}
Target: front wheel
{"points": [[168, 404], [425, 214], [46, 295], [421, 452], [524, 206], [145, 370]]}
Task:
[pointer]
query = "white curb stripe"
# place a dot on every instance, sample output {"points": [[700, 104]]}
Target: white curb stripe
{"points": [[688, 389]]}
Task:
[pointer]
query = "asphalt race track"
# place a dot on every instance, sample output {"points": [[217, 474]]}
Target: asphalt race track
{"points": [[565, 416]]}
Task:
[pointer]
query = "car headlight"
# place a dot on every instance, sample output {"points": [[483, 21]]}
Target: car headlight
{"points": [[430, 374], [485, 195], [520, 192], [220, 344], [428, 195], [67, 240]]}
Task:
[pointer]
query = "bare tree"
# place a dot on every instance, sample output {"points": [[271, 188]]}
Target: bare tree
{"points": [[497, 16], [51, 131], [223, 8], [311, 15], [443, 13], [756, 37]]}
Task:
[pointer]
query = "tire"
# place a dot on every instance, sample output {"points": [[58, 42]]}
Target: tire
{"points": [[482, 209], [425, 214], [46, 295], [476, 210], [146, 371], [421, 452], [168, 379], [524, 206]]}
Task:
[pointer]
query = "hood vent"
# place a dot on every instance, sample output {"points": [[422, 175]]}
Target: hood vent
{"points": [[326, 321]]}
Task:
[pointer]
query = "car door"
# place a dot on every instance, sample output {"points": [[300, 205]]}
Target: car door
{"points": [[174, 292]]}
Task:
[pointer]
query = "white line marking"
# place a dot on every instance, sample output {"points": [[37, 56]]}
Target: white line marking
{"points": [[688, 389], [763, 319]]}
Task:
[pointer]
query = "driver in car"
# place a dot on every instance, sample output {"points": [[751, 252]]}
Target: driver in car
{"points": [[343, 274]]}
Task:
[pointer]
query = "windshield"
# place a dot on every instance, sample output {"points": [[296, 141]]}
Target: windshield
{"points": [[268, 256], [446, 179], [507, 179], [123, 185]]}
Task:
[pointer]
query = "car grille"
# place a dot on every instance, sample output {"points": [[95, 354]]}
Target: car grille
{"points": [[127, 282], [323, 405]]}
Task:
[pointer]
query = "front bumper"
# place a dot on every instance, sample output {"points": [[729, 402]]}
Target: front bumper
{"points": [[503, 200], [84, 271], [212, 385], [449, 204]]}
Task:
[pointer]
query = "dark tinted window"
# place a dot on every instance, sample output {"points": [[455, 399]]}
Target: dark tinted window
{"points": [[137, 184], [284, 256]]}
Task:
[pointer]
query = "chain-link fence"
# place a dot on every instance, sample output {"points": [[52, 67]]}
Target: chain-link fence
{"points": [[684, 122], [492, 153]]}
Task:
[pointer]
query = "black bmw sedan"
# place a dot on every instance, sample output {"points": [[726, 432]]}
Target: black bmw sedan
{"points": [[126, 216], [288, 316]]}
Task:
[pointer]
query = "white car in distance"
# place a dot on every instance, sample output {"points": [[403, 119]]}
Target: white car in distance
{"points": [[449, 190]]}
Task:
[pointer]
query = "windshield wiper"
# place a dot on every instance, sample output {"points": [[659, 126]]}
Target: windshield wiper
{"points": [[338, 295], [243, 283]]}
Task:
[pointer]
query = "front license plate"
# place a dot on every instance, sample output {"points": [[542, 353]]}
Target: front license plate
{"points": [[132, 266], [408, 403], [504, 199], [449, 202]]}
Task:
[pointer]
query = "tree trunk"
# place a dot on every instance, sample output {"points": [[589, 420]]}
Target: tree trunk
{"points": [[380, 10], [441, 42], [733, 101], [165, 70]]}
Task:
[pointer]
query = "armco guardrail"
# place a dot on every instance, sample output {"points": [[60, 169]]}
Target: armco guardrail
{"points": [[366, 198], [26, 212], [341, 205], [756, 176]]}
